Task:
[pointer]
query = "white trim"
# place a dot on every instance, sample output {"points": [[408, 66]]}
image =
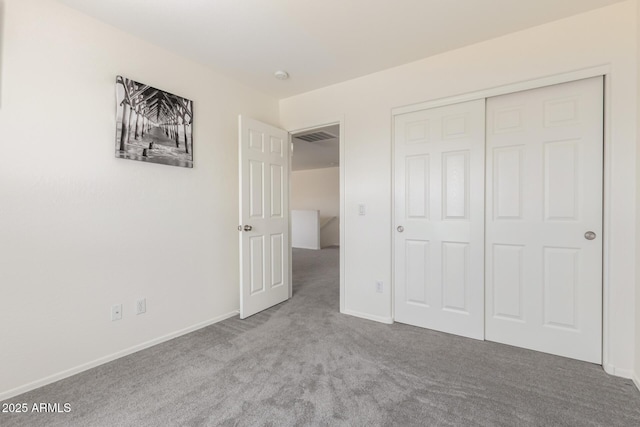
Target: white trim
{"points": [[606, 224], [600, 70], [342, 225], [624, 373], [392, 281], [102, 360], [636, 381], [290, 247], [341, 166], [609, 369], [381, 319]]}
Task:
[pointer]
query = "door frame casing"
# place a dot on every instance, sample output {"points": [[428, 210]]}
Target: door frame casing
{"points": [[341, 223], [602, 70]]}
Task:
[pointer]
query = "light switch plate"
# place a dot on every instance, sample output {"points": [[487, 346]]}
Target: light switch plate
{"points": [[141, 306]]}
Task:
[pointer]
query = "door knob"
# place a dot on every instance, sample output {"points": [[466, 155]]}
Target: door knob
{"points": [[248, 228], [589, 235], [400, 229]]}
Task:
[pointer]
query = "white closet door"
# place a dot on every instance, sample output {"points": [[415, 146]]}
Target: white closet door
{"points": [[544, 198], [439, 218]]}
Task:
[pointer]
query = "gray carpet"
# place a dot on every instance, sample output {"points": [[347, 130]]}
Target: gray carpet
{"points": [[303, 363]]}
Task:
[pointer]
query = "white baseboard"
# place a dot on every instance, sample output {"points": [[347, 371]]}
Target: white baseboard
{"points": [[636, 381], [624, 373], [102, 360], [381, 319]]}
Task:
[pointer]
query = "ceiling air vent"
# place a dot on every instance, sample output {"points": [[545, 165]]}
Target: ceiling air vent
{"points": [[316, 136]]}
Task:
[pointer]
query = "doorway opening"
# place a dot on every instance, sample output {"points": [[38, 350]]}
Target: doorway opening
{"points": [[315, 203]]}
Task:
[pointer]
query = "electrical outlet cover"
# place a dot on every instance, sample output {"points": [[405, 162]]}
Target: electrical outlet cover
{"points": [[116, 312]]}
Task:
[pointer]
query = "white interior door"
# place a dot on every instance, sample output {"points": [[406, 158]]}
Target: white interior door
{"points": [[439, 218], [544, 192], [264, 216]]}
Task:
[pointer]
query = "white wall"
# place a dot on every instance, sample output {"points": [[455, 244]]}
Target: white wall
{"points": [[603, 36], [81, 230], [305, 229], [637, 290], [319, 189]]}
